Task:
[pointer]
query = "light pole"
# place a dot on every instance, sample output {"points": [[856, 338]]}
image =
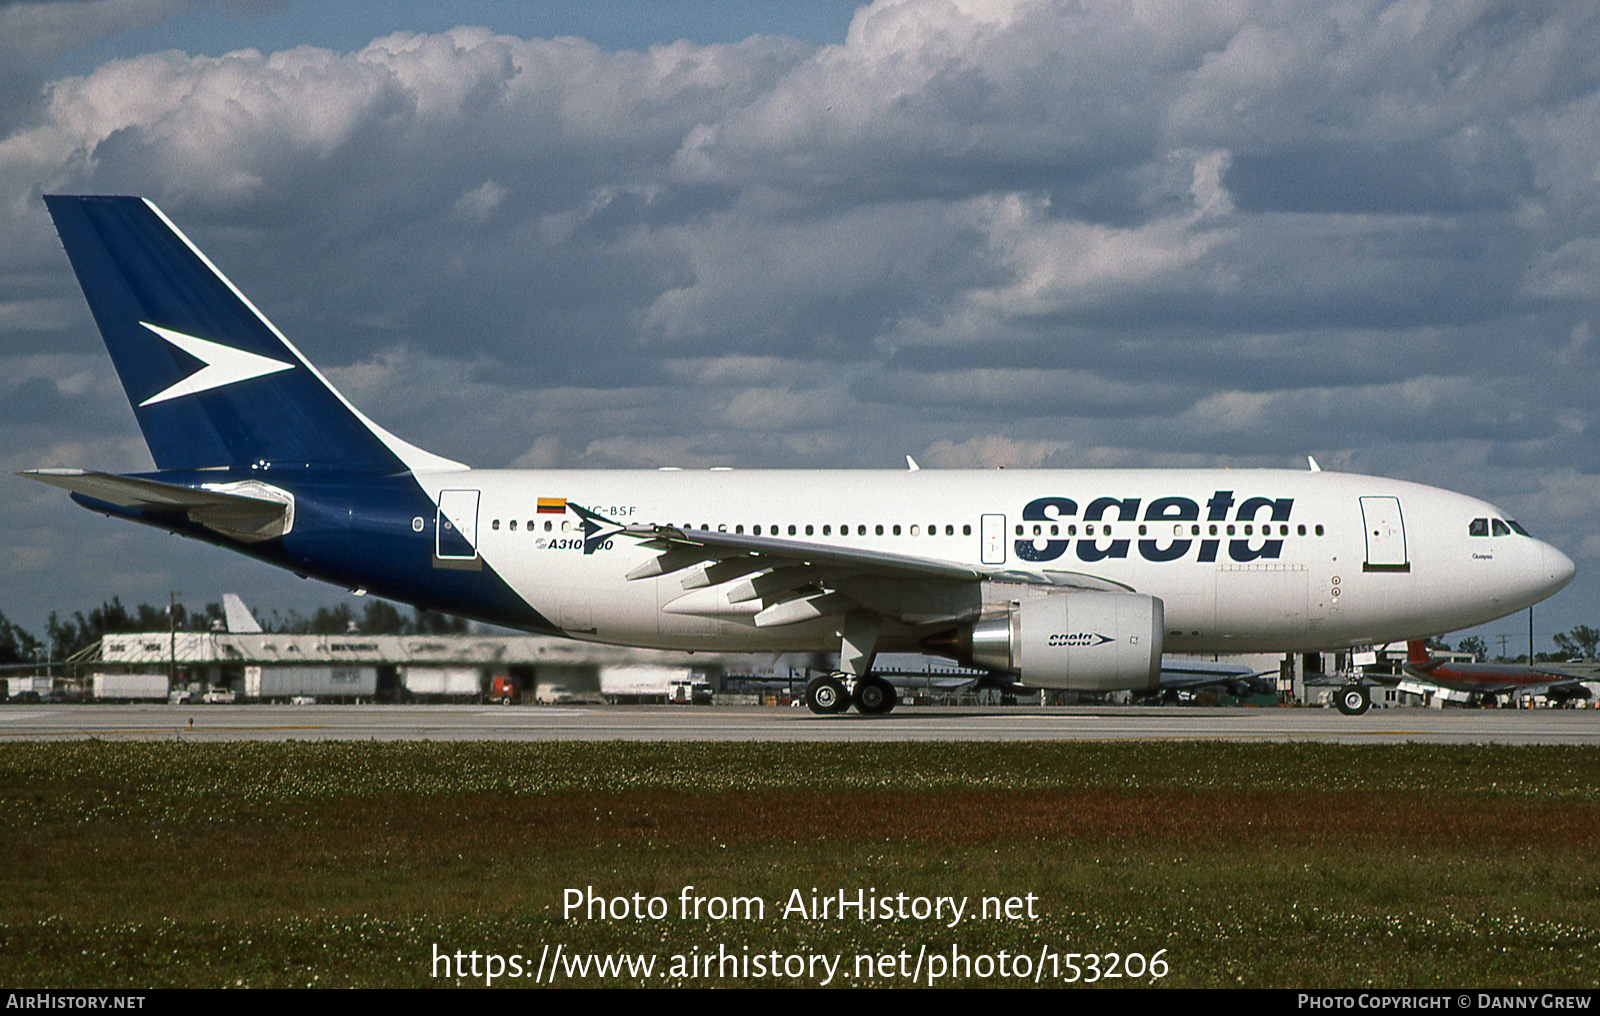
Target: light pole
{"points": [[172, 641]]}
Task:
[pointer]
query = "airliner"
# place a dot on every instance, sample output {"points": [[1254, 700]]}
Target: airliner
{"points": [[1484, 683], [1061, 579]]}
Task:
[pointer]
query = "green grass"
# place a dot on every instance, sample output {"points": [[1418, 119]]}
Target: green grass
{"points": [[169, 864]]}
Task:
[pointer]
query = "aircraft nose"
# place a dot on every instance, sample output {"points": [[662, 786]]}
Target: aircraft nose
{"points": [[1558, 567]]}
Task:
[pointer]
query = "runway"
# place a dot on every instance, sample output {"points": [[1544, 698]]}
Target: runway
{"points": [[48, 722]]}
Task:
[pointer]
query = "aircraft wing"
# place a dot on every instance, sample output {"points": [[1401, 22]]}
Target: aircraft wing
{"points": [[1525, 681], [1535, 687], [789, 581], [1188, 676], [246, 516]]}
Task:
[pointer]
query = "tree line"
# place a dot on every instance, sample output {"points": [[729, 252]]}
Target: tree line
{"points": [[65, 636], [1580, 642]]}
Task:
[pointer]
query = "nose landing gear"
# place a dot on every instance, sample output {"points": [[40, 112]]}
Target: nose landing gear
{"points": [[1353, 699]]}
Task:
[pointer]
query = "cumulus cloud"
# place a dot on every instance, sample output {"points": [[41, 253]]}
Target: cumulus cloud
{"points": [[986, 233]]}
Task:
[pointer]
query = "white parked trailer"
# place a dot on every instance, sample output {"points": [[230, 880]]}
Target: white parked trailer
{"points": [[126, 687], [651, 684], [28, 687], [266, 682], [457, 682]]}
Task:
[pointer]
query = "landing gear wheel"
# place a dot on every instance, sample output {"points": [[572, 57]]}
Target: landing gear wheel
{"points": [[874, 696], [1353, 699], [826, 696]]}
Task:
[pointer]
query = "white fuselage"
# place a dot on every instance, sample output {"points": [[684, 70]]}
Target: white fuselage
{"points": [[1243, 560]]}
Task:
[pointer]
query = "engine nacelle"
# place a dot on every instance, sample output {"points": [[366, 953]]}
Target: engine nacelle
{"points": [[1081, 641]]}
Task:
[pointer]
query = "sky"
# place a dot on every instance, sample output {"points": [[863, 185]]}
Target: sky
{"points": [[620, 233]]}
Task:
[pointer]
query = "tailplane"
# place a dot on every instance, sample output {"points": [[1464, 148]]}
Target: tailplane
{"points": [[212, 382]]}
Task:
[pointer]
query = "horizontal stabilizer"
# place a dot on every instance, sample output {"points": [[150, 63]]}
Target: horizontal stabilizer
{"points": [[250, 511]]}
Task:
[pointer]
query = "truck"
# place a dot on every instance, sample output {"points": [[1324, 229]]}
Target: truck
{"points": [[313, 681], [130, 687], [504, 690], [653, 684]]}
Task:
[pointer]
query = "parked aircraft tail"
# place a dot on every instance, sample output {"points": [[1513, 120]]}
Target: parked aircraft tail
{"points": [[1417, 655], [212, 382]]}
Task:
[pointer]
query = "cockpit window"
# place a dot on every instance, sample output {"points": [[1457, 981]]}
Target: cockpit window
{"points": [[1500, 528], [1479, 527], [1516, 528]]}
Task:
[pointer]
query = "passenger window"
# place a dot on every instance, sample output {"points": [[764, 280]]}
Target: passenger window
{"points": [[966, 530], [1478, 527], [1500, 528]]}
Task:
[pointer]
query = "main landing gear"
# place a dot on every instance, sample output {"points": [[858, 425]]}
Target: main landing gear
{"points": [[831, 694]]}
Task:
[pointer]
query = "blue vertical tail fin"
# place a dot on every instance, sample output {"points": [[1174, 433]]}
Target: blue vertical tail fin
{"points": [[212, 382]]}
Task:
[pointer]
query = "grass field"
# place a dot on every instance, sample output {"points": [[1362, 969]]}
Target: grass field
{"points": [[169, 864]]}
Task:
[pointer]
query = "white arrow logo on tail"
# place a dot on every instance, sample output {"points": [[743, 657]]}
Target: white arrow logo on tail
{"points": [[224, 365]]}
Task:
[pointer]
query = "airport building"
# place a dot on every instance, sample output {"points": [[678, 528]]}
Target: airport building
{"points": [[394, 668], [222, 666]]}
